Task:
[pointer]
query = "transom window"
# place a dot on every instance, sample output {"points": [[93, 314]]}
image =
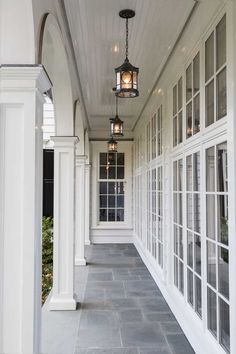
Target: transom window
{"points": [[215, 74], [111, 187], [178, 113], [193, 97]]}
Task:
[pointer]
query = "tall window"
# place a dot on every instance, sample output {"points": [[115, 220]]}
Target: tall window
{"points": [[215, 74], [154, 212], [193, 97], [178, 113], [148, 142], [154, 135], [178, 224], [111, 187], [194, 262], [217, 244], [159, 216], [149, 216]]}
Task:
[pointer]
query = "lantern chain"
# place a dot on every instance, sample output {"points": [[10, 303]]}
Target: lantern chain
{"points": [[127, 38]]}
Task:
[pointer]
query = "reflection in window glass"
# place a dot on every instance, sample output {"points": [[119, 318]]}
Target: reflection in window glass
{"points": [[210, 111], [224, 324], [210, 169], [221, 43], [223, 271], [211, 311], [209, 57], [221, 98], [211, 263]]}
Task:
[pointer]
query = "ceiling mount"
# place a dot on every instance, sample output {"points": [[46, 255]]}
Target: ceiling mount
{"points": [[126, 13]]}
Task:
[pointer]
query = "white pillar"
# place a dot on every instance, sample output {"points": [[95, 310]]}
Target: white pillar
{"points": [[63, 255], [21, 119], [87, 204], [80, 210]]}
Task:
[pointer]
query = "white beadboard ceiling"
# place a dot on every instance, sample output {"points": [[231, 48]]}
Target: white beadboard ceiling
{"points": [[98, 36]]}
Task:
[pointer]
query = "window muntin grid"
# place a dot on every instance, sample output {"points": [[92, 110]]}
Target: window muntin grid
{"points": [[159, 185], [159, 131], [111, 187], [149, 216], [194, 242], [215, 74], [217, 250], [178, 113], [178, 224], [193, 97]]}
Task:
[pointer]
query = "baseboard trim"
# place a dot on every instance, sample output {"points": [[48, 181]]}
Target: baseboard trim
{"points": [[107, 239]]}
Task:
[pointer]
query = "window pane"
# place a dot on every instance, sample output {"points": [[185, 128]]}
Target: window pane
{"points": [[189, 83], [112, 158], [189, 211], [196, 171], [120, 172], [111, 214], [196, 114], [190, 249], [180, 209], [211, 311], [111, 172], [223, 271], [175, 100], [103, 158], [180, 130], [189, 121], [175, 197], [210, 103], [120, 201], [103, 172], [210, 216], [197, 252], [180, 94], [120, 188], [224, 325], [222, 218], [198, 296], [181, 277], [211, 263], [175, 175], [181, 245], [176, 270], [111, 201], [189, 169], [210, 169], [176, 242], [103, 215], [196, 213], [175, 131], [120, 159], [180, 176], [190, 287], [222, 175], [120, 215], [111, 188], [209, 57], [221, 43], [103, 201], [196, 73], [221, 95], [103, 188]]}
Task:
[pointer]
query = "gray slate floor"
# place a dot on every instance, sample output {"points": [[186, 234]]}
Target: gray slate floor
{"points": [[121, 310]]}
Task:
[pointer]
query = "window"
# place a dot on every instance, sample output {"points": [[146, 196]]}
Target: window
{"points": [[111, 187], [159, 185], [217, 243], [193, 97], [194, 261], [159, 131], [148, 142], [178, 224], [178, 113], [215, 74], [154, 136], [149, 196]]}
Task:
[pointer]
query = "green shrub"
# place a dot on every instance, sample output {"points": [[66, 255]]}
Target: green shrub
{"points": [[47, 256]]}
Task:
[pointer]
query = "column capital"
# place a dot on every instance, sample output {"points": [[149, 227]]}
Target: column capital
{"points": [[65, 141], [80, 159], [24, 77]]}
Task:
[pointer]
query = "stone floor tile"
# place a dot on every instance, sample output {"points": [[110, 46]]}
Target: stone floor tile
{"points": [[101, 276], [179, 344], [161, 349], [130, 315], [142, 335], [171, 327], [98, 338]]}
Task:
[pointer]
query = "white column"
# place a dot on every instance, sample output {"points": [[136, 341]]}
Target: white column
{"points": [[63, 254], [80, 210], [87, 204], [21, 118]]}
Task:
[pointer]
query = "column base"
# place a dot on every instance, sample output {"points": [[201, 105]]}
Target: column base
{"points": [[87, 242], [80, 261], [62, 303]]}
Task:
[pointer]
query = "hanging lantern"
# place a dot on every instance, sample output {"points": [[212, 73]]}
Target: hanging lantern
{"points": [[127, 74], [116, 124], [112, 145]]}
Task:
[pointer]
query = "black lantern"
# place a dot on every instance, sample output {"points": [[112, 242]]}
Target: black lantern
{"points": [[116, 124], [127, 74], [112, 145]]}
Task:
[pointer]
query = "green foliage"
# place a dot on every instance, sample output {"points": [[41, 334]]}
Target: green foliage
{"points": [[47, 257]]}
